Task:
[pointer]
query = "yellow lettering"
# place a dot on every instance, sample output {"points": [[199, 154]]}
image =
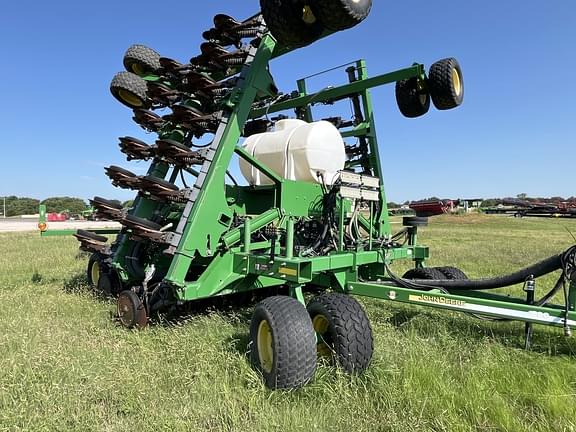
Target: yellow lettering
{"points": [[423, 298]]}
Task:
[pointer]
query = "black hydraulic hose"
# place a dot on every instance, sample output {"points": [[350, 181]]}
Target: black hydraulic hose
{"points": [[542, 268], [231, 177], [321, 238], [546, 298]]}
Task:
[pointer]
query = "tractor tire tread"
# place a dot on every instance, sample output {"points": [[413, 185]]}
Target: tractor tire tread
{"points": [[424, 273], [339, 15], [141, 54], [350, 330], [408, 99], [283, 21], [132, 83], [453, 273], [294, 342], [444, 95]]}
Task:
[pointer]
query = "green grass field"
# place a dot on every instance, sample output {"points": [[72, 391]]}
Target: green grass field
{"points": [[65, 365]]}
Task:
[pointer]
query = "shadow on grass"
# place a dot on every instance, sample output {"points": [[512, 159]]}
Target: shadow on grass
{"points": [[239, 343], [406, 320], [236, 306], [233, 306], [77, 284], [403, 317]]}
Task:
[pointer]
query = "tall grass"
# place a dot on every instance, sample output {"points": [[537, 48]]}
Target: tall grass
{"points": [[65, 365]]}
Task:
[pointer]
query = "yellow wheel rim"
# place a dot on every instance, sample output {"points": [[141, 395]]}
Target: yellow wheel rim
{"points": [[308, 16], [95, 273], [137, 69], [130, 98], [456, 82], [423, 97], [265, 349], [321, 325]]}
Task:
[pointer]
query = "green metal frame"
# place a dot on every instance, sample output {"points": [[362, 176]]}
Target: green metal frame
{"points": [[239, 265], [204, 237], [210, 255], [478, 302]]}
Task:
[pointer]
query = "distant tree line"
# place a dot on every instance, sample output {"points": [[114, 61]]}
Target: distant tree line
{"points": [[493, 202], [61, 204], [17, 206]]}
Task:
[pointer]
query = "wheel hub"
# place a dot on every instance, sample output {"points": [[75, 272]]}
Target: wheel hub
{"points": [[95, 273], [131, 311], [125, 312], [457, 82], [137, 69], [321, 326], [308, 16], [265, 350], [130, 98]]}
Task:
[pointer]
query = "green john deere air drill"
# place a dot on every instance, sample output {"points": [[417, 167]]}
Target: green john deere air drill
{"points": [[312, 214]]}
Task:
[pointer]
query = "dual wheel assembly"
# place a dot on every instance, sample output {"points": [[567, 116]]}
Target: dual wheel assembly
{"points": [[100, 278], [287, 338], [131, 311], [294, 24], [297, 23], [444, 86], [128, 87]]}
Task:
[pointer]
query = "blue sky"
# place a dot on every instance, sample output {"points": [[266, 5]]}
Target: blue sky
{"points": [[515, 133]]}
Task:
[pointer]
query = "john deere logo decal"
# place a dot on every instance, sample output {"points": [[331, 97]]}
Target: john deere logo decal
{"points": [[423, 298]]}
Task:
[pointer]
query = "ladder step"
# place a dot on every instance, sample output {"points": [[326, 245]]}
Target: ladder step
{"points": [[173, 239]]}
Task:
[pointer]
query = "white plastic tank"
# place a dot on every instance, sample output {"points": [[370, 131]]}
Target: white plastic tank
{"points": [[296, 150]]}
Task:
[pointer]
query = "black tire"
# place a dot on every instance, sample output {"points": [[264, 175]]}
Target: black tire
{"points": [[108, 283], [339, 15], [453, 273], [415, 221], [161, 182], [255, 127], [143, 222], [94, 269], [92, 235], [131, 310], [172, 143], [428, 273], [130, 90], [107, 203], [446, 84], [411, 102], [141, 60], [291, 22], [120, 170], [344, 329], [283, 343]]}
